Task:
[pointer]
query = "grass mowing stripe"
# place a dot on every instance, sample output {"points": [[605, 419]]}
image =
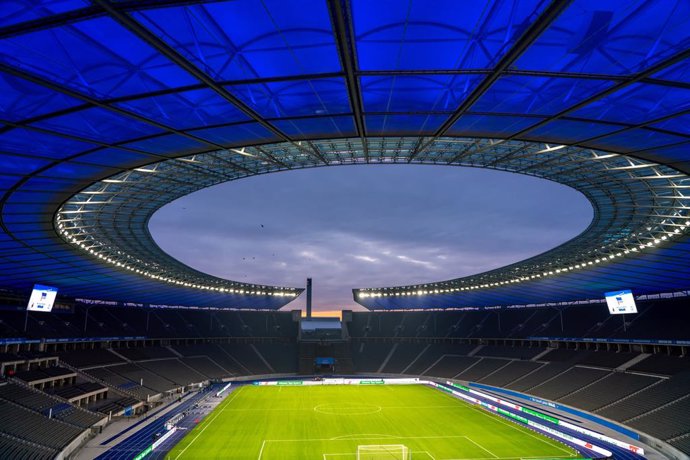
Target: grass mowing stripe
{"points": [[524, 430], [419, 417], [227, 403], [521, 429], [483, 448]]}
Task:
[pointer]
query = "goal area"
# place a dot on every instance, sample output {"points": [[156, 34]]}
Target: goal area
{"points": [[383, 452]]}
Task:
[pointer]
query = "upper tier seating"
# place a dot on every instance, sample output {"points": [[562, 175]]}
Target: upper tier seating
{"points": [[89, 358], [18, 449], [31, 426], [608, 390], [666, 422], [509, 373], [571, 380], [649, 399], [662, 364], [402, 356]]}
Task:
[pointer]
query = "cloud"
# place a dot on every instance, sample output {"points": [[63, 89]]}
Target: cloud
{"points": [[367, 227], [410, 260], [371, 260]]}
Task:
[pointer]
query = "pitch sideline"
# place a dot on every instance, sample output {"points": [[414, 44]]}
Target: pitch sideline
{"points": [[210, 421]]}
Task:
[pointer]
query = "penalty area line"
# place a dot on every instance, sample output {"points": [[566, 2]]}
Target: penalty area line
{"points": [[482, 447]]}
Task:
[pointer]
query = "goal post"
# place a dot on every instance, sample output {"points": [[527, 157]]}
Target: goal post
{"points": [[383, 452]]}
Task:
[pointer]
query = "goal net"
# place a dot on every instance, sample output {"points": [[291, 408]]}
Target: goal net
{"points": [[383, 452]]}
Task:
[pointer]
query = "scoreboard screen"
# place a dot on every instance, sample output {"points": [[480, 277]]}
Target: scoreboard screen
{"points": [[42, 298], [621, 302]]}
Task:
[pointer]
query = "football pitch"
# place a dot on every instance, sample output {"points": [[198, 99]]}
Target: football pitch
{"points": [[330, 422]]}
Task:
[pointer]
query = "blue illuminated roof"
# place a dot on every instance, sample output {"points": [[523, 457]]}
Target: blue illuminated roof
{"points": [[94, 90]]}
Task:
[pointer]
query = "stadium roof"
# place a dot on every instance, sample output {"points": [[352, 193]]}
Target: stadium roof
{"points": [[110, 109]]}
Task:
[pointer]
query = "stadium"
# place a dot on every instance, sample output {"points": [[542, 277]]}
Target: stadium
{"points": [[112, 348]]}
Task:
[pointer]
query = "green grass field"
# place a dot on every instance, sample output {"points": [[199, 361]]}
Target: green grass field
{"points": [[329, 422]]}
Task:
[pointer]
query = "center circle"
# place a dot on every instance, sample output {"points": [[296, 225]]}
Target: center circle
{"points": [[343, 408]]}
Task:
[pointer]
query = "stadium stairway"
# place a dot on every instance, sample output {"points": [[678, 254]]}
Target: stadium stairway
{"points": [[625, 366], [388, 357], [71, 414], [584, 387], [412, 363], [262, 358], [122, 357], [111, 387], [174, 352]]}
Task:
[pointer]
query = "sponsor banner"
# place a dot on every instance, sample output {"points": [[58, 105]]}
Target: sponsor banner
{"points": [[13, 341], [592, 339], [341, 381], [534, 413], [601, 437], [162, 439], [574, 440], [223, 389], [564, 424], [144, 453], [94, 339]]}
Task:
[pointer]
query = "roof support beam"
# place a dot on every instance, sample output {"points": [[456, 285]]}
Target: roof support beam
{"points": [[528, 37], [88, 12], [345, 42], [173, 55]]}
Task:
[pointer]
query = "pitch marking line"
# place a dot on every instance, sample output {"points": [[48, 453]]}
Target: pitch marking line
{"points": [[363, 436], [334, 409], [350, 454], [367, 437], [526, 431], [261, 452], [507, 458], [281, 409], [210, 421], [482, 447]]}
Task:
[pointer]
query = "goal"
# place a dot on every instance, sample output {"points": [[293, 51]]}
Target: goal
{"points": [[383, 452]]}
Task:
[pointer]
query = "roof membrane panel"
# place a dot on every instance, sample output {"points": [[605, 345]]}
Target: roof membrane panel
{"points": [[616, 37], [571, 131], [244, 39], [404, 124], [97, 57], [638, 103], [13, 12], [93, 90], [413, 35], [99, 125], [186, 109], [412, 93], [537, 95], [235, 134], [21, 99], [302, 128], [485, 125], [294, 98], [29, 142]]}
